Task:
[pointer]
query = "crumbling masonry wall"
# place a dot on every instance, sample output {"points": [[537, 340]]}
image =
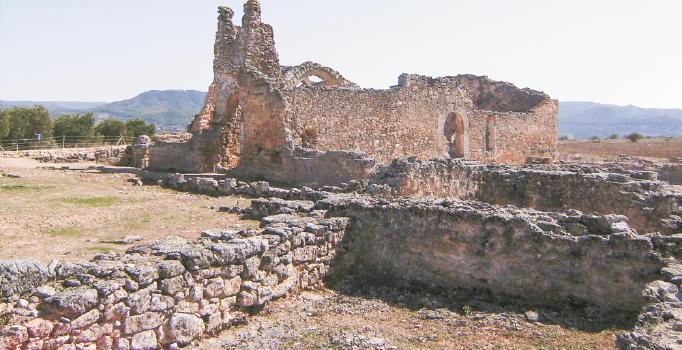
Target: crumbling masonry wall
{"points": [[259, 117]]}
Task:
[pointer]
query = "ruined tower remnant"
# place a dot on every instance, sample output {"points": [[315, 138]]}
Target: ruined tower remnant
{"points": [[262, 119]]}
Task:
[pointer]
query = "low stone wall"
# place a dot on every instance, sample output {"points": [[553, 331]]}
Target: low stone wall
{"points": [[67, 155], [588, 188], [534, 255], [165, 294]]}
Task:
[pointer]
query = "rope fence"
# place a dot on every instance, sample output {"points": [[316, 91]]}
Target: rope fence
{"points": [[39, 143]]}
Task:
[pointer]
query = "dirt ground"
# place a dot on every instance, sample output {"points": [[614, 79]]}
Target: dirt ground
{"points": [[399, 319], [53, 213], [656, 148]]}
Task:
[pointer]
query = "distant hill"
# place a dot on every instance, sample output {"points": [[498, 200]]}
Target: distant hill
{"points": [[54, 105], [583, 120], [170, 110]]}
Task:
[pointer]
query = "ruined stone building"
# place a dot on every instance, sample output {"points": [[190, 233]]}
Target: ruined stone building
{"points": [[262, 119]]}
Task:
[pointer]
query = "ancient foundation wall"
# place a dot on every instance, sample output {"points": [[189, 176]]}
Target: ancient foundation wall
{"points": [[644, 202], [635, 194], [509, 251], [164, 294]]}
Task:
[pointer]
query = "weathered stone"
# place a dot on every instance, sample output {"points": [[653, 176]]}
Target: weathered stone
{"points": [[144, 341], [106, 287], [169, 268], [161, 302], [183, 328], [173, 285], [660, 291], [214, 288], [122, 344], [20, 276], [70, 303], [232, 286], [143, 275], [139, 323], [86, 319], [139, 301], [39, 327], [251, 266]]}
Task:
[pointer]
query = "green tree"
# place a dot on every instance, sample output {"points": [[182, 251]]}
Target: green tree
{"points": [[136, 127], [613, 136], [74, 125], [110, 127], [4, 123], [634, 137], [25, 122]]}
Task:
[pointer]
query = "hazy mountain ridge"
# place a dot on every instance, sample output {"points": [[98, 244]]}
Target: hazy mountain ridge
{"points": [[170, 110], [173, 110], [587, 119]]}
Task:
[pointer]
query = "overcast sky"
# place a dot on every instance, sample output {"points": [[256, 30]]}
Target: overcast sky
{"points": [[608, 51]]}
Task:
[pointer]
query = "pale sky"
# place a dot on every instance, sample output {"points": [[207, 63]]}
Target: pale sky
{"points": [[608, 51]]}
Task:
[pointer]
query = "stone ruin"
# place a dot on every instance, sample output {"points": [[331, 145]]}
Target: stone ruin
{"points": [[604, 235], [264, 120]]}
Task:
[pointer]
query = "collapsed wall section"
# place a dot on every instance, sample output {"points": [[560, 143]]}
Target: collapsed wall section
{"points": [[500, 96]]}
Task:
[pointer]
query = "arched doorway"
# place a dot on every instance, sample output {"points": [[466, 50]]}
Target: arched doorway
{"points": [[456, 134]]}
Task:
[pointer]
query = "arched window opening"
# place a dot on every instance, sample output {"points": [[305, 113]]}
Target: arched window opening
{"points": [[490, 134], [455, 135]]}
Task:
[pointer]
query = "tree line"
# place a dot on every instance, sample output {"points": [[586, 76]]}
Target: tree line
{"points": [[31, 123]]}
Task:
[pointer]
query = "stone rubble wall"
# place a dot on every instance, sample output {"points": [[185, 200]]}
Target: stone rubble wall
{"points": [[508, 251], [588, 188], [165, 294], [105, 154]]}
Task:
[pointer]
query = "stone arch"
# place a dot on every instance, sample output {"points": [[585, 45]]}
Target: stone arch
{"points": [[456, 132], [327, 78], [300, 75]]}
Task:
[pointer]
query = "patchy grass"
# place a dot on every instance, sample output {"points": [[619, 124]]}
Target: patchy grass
{"points": [[92, 201], [138, 223], [22, 188], [103, 249], [66, 231]]}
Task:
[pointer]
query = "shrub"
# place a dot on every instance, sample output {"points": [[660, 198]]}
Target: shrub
{"points": [[634, 137]]}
